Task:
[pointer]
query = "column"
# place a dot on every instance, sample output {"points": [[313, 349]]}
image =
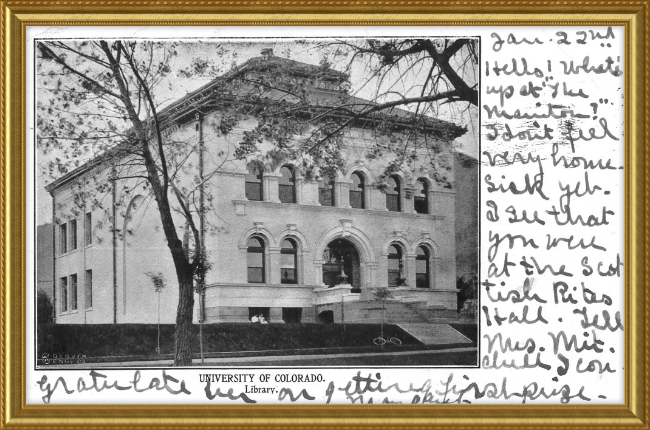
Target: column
{"points": [[370, 197], [408, 202], [369, 280], [318, 273], [299, 190], [342, 193], [271, 192], [409, 270], [310, 192], [435, 270], [274, 276]]}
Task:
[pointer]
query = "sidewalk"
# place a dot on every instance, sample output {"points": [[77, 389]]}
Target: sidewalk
{"points": [[263, 360]]}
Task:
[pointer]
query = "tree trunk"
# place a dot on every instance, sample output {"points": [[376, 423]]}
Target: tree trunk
{"points": [[184, 314]]}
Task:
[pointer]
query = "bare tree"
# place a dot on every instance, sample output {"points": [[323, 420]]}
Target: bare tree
{"points": [[450, 65], [400, 88], [383, 294]]}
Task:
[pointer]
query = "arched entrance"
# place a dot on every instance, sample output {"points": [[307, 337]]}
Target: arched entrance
{"points": [[341, 264], [326, 317]]}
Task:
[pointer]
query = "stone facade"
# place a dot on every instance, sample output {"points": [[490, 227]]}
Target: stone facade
{"points": [[103, 276]]}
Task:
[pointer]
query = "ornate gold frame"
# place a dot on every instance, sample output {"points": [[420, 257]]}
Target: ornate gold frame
{"points": [[16, 15]]}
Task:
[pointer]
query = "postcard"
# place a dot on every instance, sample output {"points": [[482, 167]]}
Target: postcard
{"points": [[326, 215]]}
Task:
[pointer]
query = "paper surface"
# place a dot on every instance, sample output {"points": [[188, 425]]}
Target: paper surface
{"points": [[551, 178]]}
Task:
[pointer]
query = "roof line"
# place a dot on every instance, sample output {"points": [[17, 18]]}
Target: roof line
{"points": [[167, 111]]}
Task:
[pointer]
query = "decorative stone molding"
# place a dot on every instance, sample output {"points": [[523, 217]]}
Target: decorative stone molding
{"points": [[240, 207], [346, 225]]}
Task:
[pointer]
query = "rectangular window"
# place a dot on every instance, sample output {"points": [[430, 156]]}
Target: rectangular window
{"points": [[255, 275], [326, 196], [255, 267], [73, 234], [421, 280], [254, 191], [292, 315], [288, 276], [89, 289], [356, 199], [393, 272], [421, 273], [63, 239], [286, 194], [259, 315], [88, 229], [392, 202], [393, 278], [288, 268], [73, 292], [63, 282], [420, 204]]}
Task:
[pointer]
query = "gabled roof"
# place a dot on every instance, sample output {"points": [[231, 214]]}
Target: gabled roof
{"points": [[205, 96]]}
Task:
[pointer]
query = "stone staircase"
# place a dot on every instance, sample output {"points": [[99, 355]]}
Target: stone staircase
{"points": [[395, 312], [429, 325], [399, 310]]}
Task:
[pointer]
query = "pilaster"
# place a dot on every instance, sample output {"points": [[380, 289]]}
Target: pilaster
{"points": [[271, 190]]}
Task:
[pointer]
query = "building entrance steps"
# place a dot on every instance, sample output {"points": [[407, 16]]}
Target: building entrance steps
{"points": [[434, 334]]}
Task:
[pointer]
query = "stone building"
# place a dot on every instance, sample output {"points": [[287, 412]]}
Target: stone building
{"points": [[282, 243]]}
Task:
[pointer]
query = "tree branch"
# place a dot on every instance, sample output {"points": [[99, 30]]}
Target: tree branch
{"points": [[48, 53]]}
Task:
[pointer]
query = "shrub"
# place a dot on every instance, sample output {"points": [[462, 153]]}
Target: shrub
{"points": [[106, 340], [44, 309]]}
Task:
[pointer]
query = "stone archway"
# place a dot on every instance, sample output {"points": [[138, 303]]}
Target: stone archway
{"points": [[341, 264], [367, 268]]}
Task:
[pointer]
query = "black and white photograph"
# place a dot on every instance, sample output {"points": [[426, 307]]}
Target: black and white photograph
{"points": [[256, 202], [316, 215]]}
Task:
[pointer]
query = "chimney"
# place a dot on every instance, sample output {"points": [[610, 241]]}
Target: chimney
{"points": [[267, 53]]}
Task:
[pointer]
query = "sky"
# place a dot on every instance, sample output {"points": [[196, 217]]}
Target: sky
{"points": [[223, 54]]}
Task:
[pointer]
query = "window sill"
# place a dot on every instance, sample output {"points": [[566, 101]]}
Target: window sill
{"points": [[69, 313], [68, 253]]}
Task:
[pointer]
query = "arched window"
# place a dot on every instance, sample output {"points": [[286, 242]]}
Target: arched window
{"points": [[254, 183], [288, 262], [287, 185], [255, 260], [395, 266], [422, 267], [357, 191], [393, 194], [326, 191], [421, 197]]}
